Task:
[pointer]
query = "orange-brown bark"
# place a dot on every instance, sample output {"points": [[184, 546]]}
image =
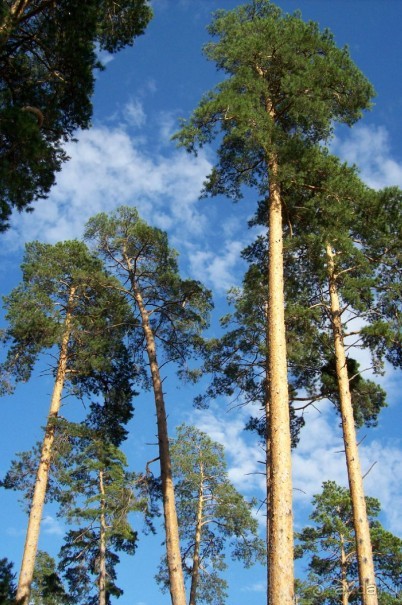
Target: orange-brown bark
{"points": [[42, 476], [367, 579], [176, 580], [280, 545]]}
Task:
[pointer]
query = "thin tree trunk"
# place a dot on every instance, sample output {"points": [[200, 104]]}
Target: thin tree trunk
{"points": [[280, 546], [42, 476], [267, 483], [362, 530], [176, 580], [267, 450], [197, 540], [102, 544], [344, 579]]}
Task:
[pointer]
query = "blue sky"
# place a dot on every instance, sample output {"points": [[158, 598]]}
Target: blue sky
{"points": [[127, 158]]}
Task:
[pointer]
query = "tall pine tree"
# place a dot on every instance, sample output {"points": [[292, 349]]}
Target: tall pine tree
{"points": [[285, 85], [172, 313], [62, 303]]}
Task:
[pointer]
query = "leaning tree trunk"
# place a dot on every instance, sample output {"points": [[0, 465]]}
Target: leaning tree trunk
{"points": [[42, 476], [362, 530], [102, 544], [176, 580], [195, 572], [280, 545]]}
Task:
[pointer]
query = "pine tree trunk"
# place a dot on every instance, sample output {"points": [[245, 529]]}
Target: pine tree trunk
{"points": [[267, 485], [102, 545], [280, 546], [197, 540], [344, 579], [362, 531], [42, 476], [176, 580]]}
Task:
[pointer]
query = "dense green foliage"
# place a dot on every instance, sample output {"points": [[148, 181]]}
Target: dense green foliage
{"points": [[47, 62], [140, 257], [7, 582], [97, 493], [327, 202], [285, 85], [329, 547], [47, 587], [208, 503], [57, 281]]}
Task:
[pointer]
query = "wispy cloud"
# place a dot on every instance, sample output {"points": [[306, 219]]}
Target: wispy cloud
{"points": [[219, 268], [52, 526], [134, 113], [369, 148], [16, 532], [318, 457], [243, 452], [256, 587]]}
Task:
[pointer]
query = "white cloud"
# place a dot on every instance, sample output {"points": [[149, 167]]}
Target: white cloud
{"points": [[52, 526], [256, 587], [108, 169], [134, 113], [15, 533], [319, 457], [244, 454], [384, 480], [104, 56], [369, 148], [167, 122], [219, 268]]}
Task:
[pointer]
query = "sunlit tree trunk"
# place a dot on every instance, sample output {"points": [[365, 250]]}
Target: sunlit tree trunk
{"points": [[102, 544], [362, 530], [267, 481], [280, 545], [176, 580], [42, 476], [197, 540], [344, 579], [267, 444]]}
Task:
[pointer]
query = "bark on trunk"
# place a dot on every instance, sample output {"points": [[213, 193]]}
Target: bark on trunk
{"points": [[102, 544], [362, 531], [197, 540], [267, 458], [280, 546], [344, 578], [42, 476], [176, 580]]}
